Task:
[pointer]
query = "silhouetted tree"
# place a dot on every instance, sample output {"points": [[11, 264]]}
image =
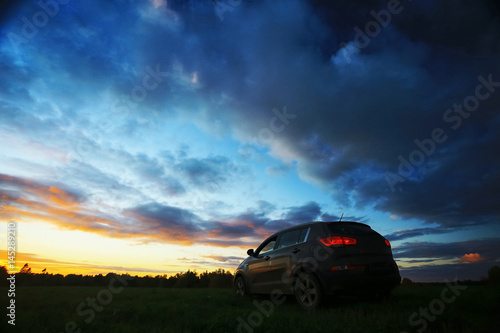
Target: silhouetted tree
{"points": [[406, 281], [25, 276], [73, 280], [220, 279], [204, 279], [26, 269], [3, 276], [188, 279], [99, 280], [494, 275]]}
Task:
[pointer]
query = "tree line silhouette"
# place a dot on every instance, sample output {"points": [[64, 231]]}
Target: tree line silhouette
{"points": [[219, 278]]}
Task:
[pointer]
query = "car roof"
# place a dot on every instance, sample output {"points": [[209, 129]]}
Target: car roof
{"points": [[350, 223], [309, 224]]}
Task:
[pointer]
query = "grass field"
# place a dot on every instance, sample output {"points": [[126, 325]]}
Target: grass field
{"points": [[65, 309]]}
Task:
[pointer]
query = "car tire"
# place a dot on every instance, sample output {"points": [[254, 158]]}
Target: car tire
{"points": [[307, 290], [240, 288]]}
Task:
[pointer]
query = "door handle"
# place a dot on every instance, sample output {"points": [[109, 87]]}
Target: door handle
{"points": [[296, 250], [267, 257]]}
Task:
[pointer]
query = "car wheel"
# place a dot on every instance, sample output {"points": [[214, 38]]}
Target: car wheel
{"points": [[239, 286], [307, 291]]}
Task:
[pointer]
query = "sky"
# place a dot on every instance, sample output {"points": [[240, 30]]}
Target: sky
{"points": [[153, 137]]}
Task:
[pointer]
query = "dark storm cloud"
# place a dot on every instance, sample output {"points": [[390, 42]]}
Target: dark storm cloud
{"points": [[217, 229], [403, 234], [487, 248], [355, 117], [468, 259], [301, 214], [308, 212], [175, 219], [182, 225], [255, 219]]}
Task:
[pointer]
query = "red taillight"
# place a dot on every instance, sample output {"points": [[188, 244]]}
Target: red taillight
{"points": [[329, 241], [349, 241], [338, 240], [388, 243]]}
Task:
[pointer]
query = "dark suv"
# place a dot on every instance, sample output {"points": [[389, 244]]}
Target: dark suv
{"points": [[319, 259]]}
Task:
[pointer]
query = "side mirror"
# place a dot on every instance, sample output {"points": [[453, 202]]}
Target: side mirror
{"points": [[250, 252]]}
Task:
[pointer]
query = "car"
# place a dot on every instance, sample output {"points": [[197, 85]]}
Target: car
{"points": [[317, 261]]}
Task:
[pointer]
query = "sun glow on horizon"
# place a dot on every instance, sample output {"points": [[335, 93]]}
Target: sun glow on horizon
{"points": [[46, 246]]}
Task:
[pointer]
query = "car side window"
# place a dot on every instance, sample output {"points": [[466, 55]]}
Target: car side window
{"points": [[293, 237], [268, 246], [304, 234]]}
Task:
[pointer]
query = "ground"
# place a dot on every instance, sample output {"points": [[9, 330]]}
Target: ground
{"points": [[412, 308]]}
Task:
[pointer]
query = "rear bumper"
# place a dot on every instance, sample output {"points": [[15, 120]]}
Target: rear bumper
{"points": [[359, 281]]}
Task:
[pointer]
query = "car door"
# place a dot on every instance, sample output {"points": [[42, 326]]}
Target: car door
{"points": [[259, 267], [285, 256]]}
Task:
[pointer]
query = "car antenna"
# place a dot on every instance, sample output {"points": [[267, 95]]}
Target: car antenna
{"points": [[341, 217]]}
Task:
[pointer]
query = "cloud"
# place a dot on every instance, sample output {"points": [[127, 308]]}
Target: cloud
{"points": [[16, 187], [354, 120], [278, 170], [158, 3], [211, 261], [180, 225], [149, 222], [265, 206], [224, 258], [301, 214], [208, 173], [471, 257], [404, 234], [488, 247], [433, 262]]}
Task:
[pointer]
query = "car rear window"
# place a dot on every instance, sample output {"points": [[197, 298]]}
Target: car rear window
{"points": [[349, 228]]}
